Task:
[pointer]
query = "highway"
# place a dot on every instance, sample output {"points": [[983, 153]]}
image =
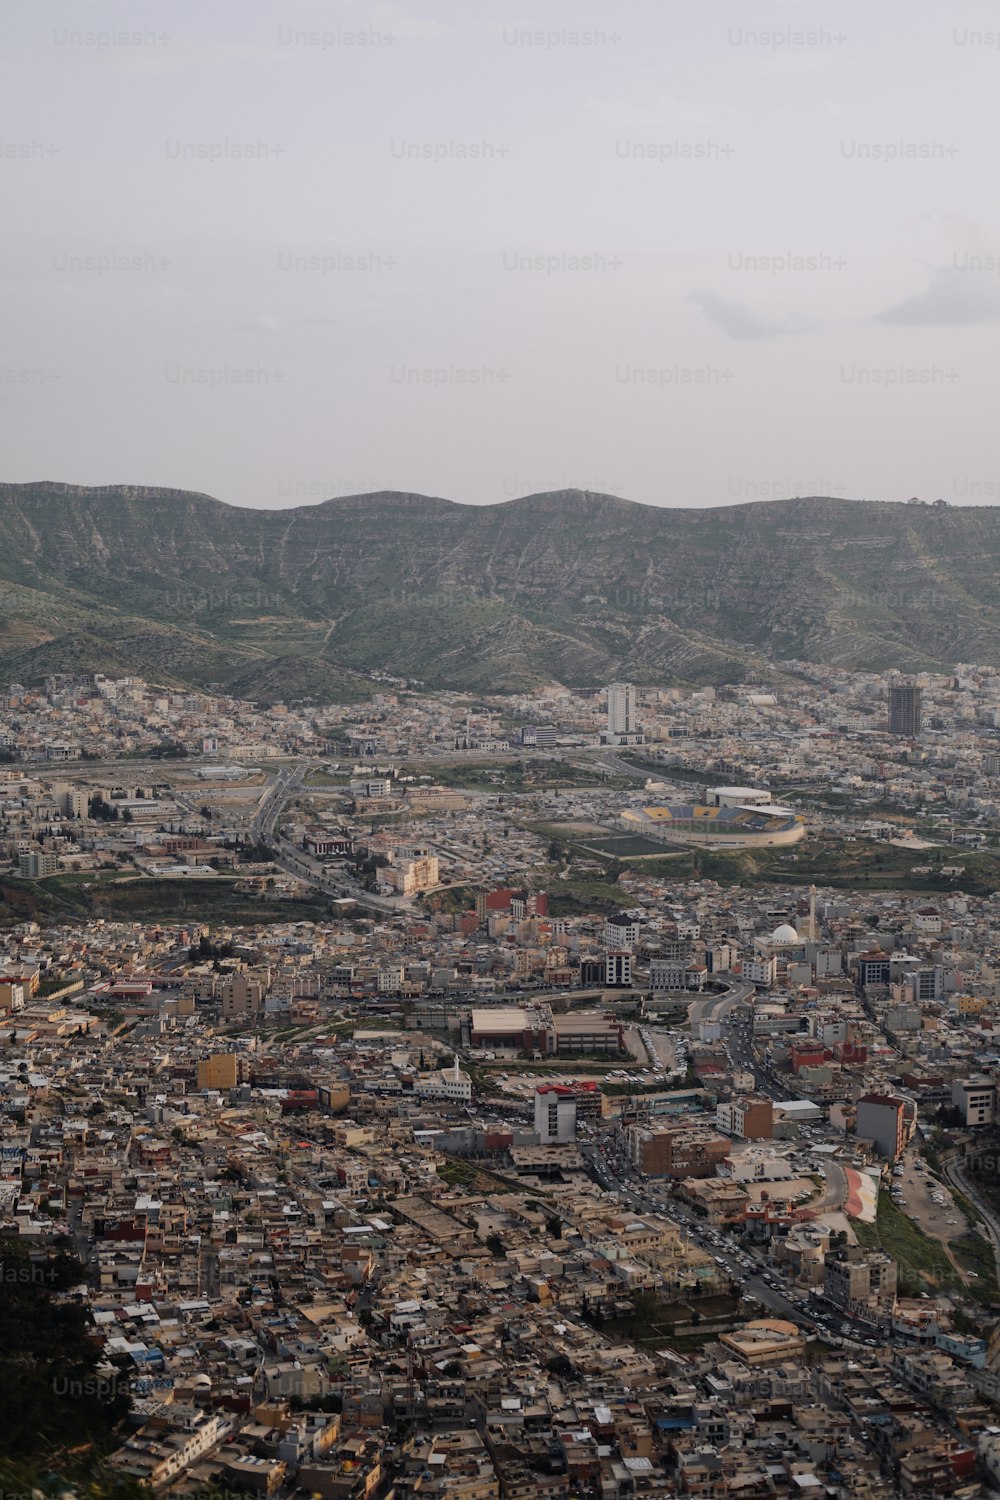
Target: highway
{"points": [[298, 863]]}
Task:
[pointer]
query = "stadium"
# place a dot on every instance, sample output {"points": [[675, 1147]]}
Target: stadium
{"points": [[736, 827]]}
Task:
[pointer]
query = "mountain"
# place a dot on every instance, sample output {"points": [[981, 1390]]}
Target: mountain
{"points": [[573, 587]]}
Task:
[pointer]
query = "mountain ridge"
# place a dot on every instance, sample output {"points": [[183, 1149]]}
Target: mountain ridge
{"points": [[574, 585]]}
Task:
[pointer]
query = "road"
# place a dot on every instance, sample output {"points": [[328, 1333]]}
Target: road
{"points": [[300, 864]]}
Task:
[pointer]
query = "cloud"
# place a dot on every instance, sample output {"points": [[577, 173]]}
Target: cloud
{"points": [[955, 297], [739, 321]]}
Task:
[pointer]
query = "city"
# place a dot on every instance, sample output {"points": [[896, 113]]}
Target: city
{"points": [[479, 1134], [499, 751]]}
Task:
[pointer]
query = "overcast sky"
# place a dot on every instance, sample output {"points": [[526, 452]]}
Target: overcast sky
{"points": [[686, 251]]}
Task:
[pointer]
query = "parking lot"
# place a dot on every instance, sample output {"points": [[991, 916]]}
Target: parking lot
{"points": [[927, 1201]]}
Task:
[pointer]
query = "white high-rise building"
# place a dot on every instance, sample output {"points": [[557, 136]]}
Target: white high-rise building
{"points": [[555, 1114], [623, 727], [621, 708]]}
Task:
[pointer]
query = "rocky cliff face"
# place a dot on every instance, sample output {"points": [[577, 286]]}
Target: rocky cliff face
{"points": [[571, 586]]}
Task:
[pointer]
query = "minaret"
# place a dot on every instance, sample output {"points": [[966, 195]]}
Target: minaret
{"points": [[812, 913]]}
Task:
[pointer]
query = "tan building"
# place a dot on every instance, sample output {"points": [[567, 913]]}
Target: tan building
{"points": [[859, 1280], [11, 994], [220, 1071], [242, 996], [765, 1341], [719, 1198], [411, 876]]}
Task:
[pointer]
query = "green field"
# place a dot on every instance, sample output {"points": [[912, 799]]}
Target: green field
{"points": [[67, 899], [570, 898], [625, 846], [861, 866], [923, 1264]]}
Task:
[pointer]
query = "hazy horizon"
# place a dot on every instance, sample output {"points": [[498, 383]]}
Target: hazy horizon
{"points": [[690, 257], [110, 485]]}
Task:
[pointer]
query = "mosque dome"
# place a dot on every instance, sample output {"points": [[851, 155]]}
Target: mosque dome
{"points": [[784, 934]]}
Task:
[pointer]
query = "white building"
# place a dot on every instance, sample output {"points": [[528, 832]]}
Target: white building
{"points": [[621, 932], [447, 1083], [623, 727], [976, 1098], [760, 970], [555, 1115], [737, 796]]}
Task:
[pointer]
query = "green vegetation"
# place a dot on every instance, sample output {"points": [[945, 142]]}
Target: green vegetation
{"points": [[56, 1395], [318, 777], [974, 1253], [454, 898], [525, 774], [924, 1263], [865, 1234], [819, 859], [581, 1064], [63, 898], [456, 1173], [520, 595], [864, 866], [571, 898], [627, 846]]}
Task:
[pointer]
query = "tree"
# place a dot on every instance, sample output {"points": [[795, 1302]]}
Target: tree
{"points": [[54, 1397], [495, 1246], [553, 1227]]}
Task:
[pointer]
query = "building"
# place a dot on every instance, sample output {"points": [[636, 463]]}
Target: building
{"points": [[450, 1084], [411, 876], [555, 1114], [761, 970], [888, 1121], [765, 1341], [621, 931], [748, 1118], [921, 985], [873, 968], [676, 1151], [737, 796], [904, 710], [623, 727], [326, 845], [976, 1097], [241, 996], [860, 1281], [667, 974], [37, 864], [618, 970], [509, 1028], [220, 1071], [11, 993], [587, 1034]]}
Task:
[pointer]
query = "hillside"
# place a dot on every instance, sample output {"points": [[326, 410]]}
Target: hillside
{"points": [[574, 587]]}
